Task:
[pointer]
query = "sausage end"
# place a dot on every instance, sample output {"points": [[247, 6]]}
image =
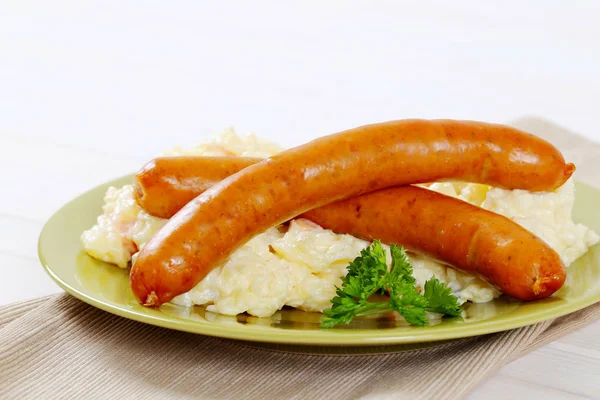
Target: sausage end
{"points": [[545, 286], [138, 192], [569, 169], [152, 300]]}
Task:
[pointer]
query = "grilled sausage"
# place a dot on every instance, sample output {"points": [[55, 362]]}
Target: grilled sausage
{"points": [[328, 169], [452, 231], [166, 184]]}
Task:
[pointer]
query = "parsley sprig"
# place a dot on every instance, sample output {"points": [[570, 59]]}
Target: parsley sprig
{"points": [[368, 274]]}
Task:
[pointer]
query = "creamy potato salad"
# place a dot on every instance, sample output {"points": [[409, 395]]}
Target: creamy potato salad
{"points": [[300, 264]]}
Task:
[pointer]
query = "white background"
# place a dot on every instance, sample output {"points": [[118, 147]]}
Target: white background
{"points": [[162, 72], [91, 89]]}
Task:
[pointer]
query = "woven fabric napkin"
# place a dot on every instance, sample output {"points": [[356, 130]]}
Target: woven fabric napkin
{"points": [[60, 347]]}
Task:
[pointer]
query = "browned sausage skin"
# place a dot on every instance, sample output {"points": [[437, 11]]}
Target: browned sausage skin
{"points": [[166, 184], [331, 168], [467, 237]]}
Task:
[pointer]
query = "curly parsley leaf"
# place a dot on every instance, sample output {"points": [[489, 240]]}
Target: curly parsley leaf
{"points": [[369, 273], [440, 298], [401, 268], [366, 272]]}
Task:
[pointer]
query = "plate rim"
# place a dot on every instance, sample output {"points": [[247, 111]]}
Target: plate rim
{"points": [[321, 337]]}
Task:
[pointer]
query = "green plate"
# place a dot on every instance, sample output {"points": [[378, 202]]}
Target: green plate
{"points": [[107, 287]]}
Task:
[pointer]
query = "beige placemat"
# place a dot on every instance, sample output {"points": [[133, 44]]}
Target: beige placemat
{"points": [[59, 347]]}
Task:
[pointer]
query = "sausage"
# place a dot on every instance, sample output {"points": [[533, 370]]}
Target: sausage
{"points": [[328, 169], [166, 184], [452, 231]]}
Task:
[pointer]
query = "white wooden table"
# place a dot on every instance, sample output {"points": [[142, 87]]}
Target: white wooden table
{"points": [[90, 90]]}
